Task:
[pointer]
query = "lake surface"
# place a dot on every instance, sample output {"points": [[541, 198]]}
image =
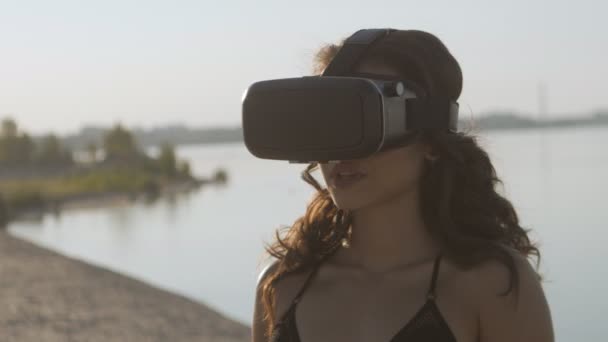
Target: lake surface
{"points": [[208, 245]]}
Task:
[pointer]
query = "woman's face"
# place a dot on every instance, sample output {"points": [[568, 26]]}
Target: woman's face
{"points": [[387, 174]]}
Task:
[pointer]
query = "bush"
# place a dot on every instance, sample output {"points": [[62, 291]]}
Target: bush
{"points": [[167, 161], [151, 188], [183, 169], [24, 200], [220, 176]]}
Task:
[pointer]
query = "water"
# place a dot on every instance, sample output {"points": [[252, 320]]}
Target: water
{"points": [[207, 245]]}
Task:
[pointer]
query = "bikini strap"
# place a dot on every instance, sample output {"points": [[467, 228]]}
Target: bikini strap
{"points": [[308, 279], [431, 293]]}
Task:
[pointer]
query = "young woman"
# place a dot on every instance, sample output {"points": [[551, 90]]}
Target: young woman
{"points": [[410, 244]]}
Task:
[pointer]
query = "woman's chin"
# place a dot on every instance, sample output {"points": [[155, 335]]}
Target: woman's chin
{"points": [[351, 199], [348, 204]]}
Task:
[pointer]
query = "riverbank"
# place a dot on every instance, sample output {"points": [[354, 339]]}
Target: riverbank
{"points": [[25, 200], [45, 296]]}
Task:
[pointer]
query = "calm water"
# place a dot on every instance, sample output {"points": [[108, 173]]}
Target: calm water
{"points": [[207, 245]]}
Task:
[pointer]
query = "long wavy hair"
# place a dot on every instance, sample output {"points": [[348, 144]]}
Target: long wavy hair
{"points": [[460, 203]]}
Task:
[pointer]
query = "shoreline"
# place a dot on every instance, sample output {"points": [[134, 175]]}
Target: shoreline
{"points": [[47, 296], [103, 200]]}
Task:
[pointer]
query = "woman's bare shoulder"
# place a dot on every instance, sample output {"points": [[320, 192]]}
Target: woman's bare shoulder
{"points": [[521, 315], [493, 276], [286, 288]]}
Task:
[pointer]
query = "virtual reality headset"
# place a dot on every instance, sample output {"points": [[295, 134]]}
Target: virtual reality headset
{"points": [[340, 115]]}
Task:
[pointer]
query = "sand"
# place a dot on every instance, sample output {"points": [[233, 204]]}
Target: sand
{"points": [[45, 296]]}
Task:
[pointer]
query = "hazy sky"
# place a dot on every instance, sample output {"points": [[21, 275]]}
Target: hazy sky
{"points": [[65, 64]]}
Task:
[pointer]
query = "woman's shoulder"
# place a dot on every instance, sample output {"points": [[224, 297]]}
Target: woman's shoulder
{"points": [[492, 276], [521, 315], [286, 288]]}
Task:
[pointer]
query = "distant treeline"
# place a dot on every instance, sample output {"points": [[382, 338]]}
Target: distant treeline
{"points": [[175, 135], [19, 148], [115, 146], [183, 135], [508, 120], [41, 174]]}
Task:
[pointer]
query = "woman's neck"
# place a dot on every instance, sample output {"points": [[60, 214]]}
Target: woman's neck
{"points": [[388, 235]]}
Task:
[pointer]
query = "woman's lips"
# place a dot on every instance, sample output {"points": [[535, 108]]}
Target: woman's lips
{"points": [[345, 174]]}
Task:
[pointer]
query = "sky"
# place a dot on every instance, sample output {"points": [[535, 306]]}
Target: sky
{"points": [[67, 64]]}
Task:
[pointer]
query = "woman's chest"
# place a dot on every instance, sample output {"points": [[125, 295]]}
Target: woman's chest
{"points": [[361, 311]]}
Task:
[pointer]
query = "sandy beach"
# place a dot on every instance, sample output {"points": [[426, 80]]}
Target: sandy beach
{"points": [[45, 296]]}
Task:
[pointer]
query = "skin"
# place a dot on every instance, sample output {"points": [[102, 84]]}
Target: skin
{"points": [[369, 291]]}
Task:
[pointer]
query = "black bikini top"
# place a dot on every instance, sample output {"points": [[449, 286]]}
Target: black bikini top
{"points": [[427, 324]]}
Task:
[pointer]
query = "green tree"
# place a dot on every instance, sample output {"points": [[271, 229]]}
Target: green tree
{"points": [[9, 128], [167, 161], [119, 144], [15, 149], [52, 152], [24, 150], [183, 169]]}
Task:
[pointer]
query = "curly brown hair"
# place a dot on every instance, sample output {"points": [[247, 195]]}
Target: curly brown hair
{"points": [[460, 203]]}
